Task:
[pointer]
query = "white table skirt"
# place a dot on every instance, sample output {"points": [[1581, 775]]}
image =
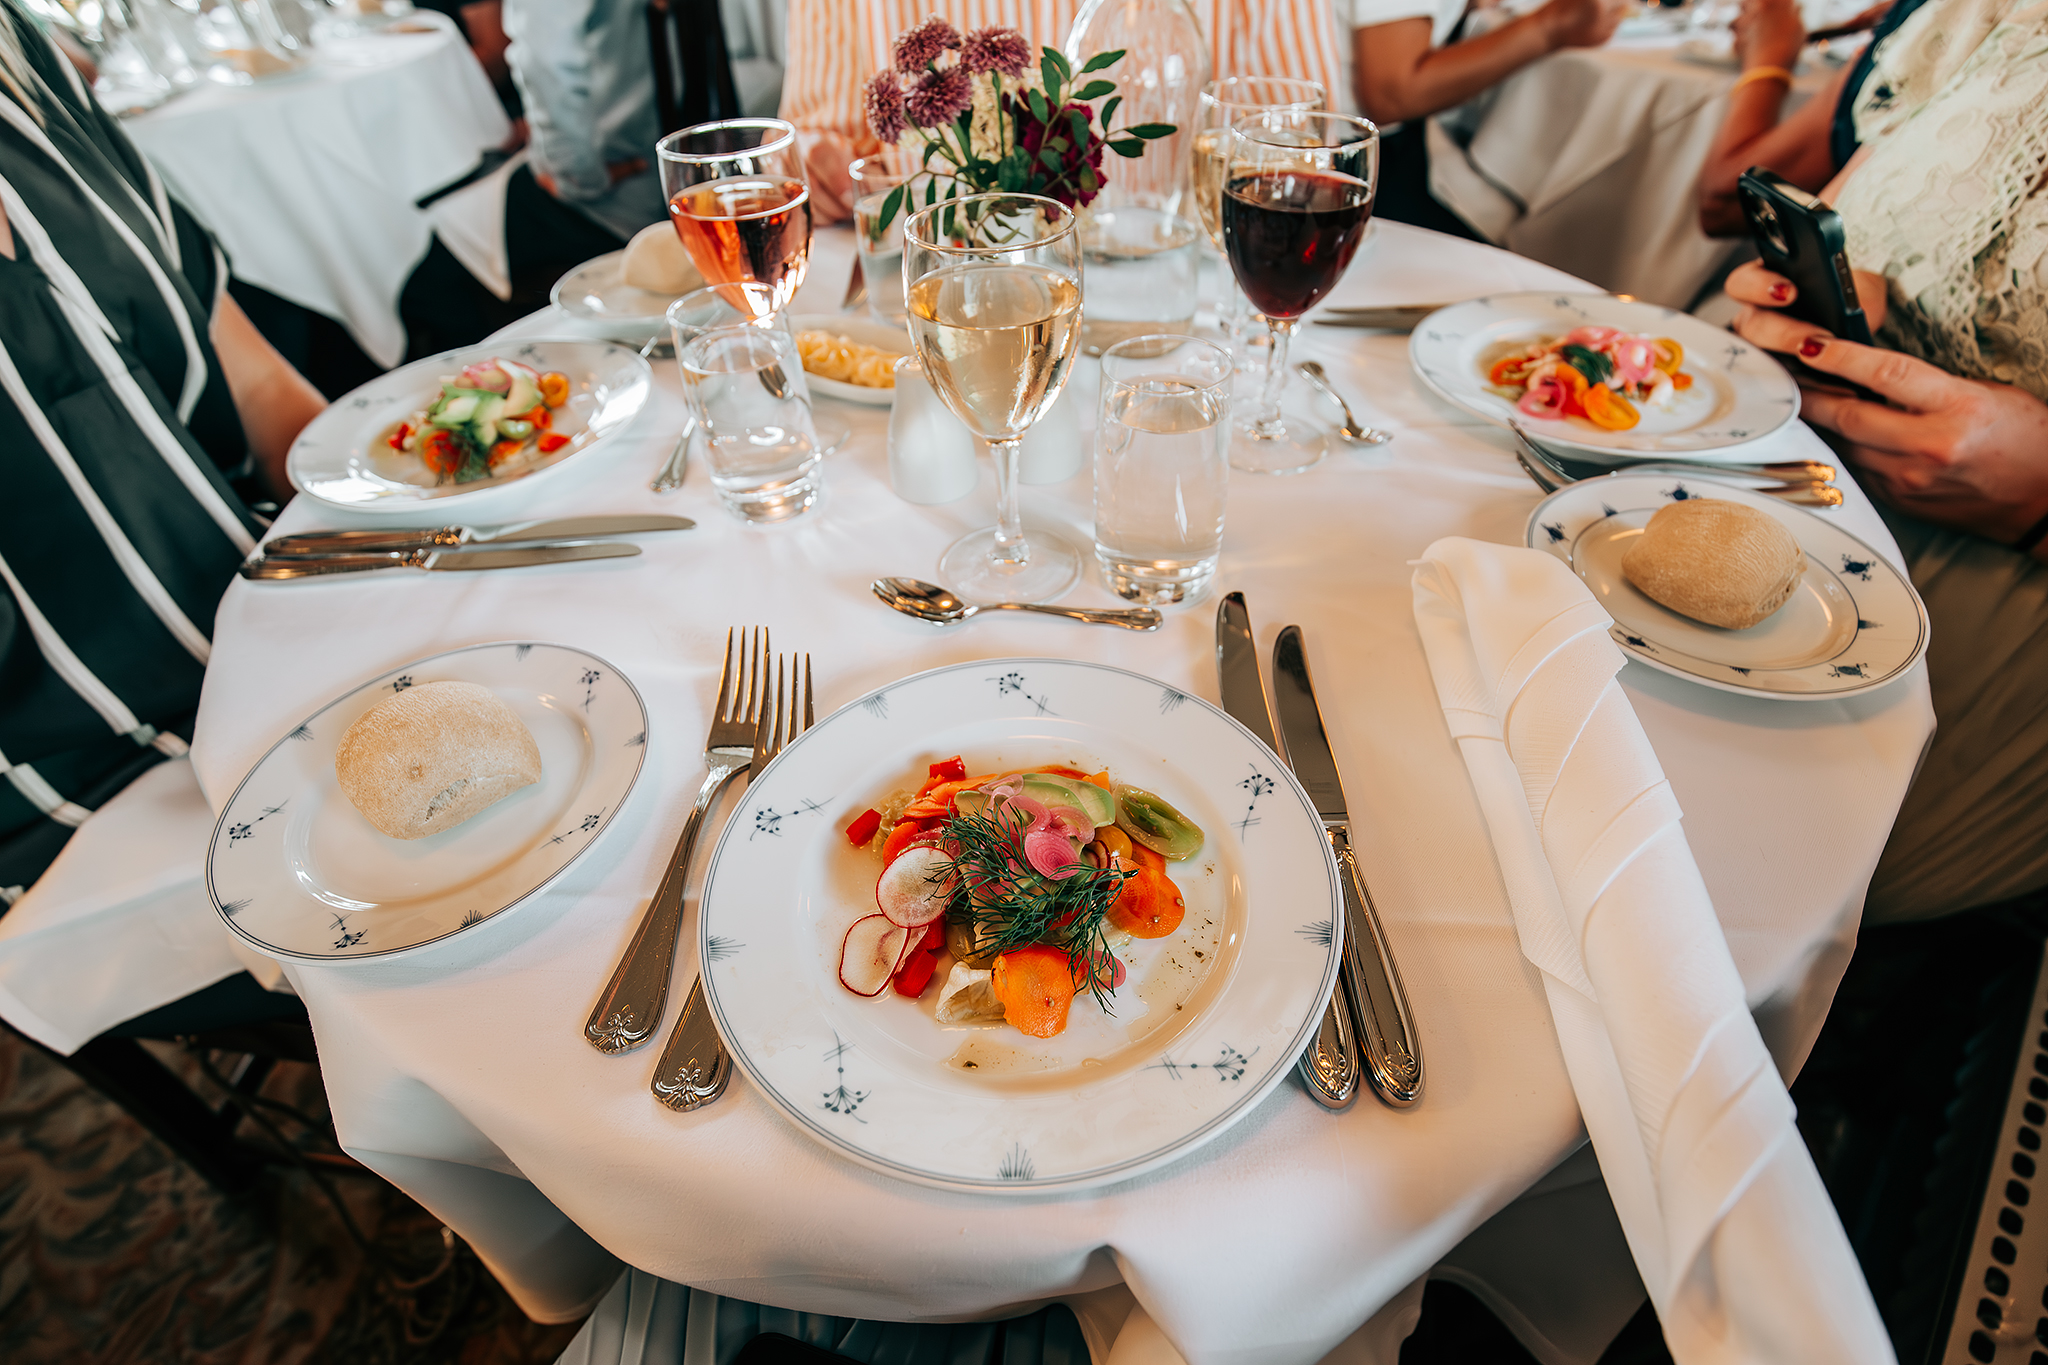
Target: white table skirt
{"points": [[1588, 160], [309, 181], [462, 1075]]}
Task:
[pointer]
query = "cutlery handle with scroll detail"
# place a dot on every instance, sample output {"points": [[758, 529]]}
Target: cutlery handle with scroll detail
{"points": [[694, 1066], [271, 569], [1385, 1028], [631, 1007]]}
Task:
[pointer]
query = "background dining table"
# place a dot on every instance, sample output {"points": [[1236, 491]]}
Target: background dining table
{"points": [[310, 180], [1587, 159], [460, 1071]]}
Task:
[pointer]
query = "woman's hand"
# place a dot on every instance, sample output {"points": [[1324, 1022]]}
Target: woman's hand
{"points": [[1769, 33], [825, 163], [1957, 452], [1580, 23]]}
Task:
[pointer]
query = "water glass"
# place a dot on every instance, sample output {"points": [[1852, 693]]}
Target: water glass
{"points": [[881, 245], [746, 382], [1162, 466]]}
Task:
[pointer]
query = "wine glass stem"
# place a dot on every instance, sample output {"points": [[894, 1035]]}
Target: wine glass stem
{"points": [[1010, 547], [1267, 425]]}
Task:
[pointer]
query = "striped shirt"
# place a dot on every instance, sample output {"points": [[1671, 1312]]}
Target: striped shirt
{"points": [[836, 46], [118, 528]]}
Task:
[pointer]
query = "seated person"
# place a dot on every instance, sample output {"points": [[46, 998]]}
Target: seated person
{"points": [[835, 46], [142, 413], [1946, 218], [1406, 66], [1807, 148]]}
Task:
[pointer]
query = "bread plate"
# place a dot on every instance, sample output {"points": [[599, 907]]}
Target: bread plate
{"points": [[342, 457], [1204, 1028], [1853, 624], [1739, 393], [597, 292], [296, 871], [868, 332]]}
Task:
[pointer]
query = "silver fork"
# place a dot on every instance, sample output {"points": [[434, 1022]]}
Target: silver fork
{"points": [[630, 1008], [694, 1065]]}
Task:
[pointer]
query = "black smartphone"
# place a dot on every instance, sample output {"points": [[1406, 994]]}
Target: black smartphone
{"points": [[1801, 238]]}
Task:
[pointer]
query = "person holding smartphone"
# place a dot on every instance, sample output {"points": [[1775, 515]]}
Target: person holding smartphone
{"points": [[1945, 217]]}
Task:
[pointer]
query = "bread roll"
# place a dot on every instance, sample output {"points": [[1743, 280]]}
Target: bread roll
{"points": [[655, 261], [430, 757], [1725, 563]]}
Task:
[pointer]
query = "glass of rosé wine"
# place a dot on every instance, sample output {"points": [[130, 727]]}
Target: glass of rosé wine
{"points": [[739, 201]]}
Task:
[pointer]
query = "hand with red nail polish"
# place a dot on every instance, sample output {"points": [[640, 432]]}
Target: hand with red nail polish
{"points": [[1813, 345]]}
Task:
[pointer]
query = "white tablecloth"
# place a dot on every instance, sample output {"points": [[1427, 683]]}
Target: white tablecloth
{"points": [[310, 180], [462, 1074], [1588, 159]]}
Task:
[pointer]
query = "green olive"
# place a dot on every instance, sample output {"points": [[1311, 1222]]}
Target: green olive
{"points": [[1156, 824]]}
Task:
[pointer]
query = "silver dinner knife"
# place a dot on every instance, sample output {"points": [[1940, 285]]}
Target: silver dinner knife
{"points": [[449, 537], [270, 569], [1400, 318], [1330, 1065], [1386, 1028]]}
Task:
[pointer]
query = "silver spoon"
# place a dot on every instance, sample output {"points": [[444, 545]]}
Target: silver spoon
{"points": [[930, 602], [1352, 431], [671, 476]]}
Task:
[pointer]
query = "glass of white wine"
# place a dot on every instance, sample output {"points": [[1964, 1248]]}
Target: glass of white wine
{"points": [[993, 284], [1224, 102]]}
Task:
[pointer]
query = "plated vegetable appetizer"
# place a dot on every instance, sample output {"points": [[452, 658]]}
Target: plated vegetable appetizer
{"points": [[1031, 881], [492, 418], [1598, 373]]}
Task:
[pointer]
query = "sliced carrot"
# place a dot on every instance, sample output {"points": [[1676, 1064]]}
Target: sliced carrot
{"points": [[1101, 780], [903, 836], [1607, 409], [1148, 905], [554, 389], [1681, 381], [1036, 986]]}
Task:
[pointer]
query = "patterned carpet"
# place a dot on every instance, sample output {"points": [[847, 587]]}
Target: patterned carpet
{"points": [[113, 1253]]}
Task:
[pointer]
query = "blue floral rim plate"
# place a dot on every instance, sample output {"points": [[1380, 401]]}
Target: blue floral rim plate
{"points": [[343, 458], [295, 869], [1739, 393], [1210, 1020], [1853, 624]]}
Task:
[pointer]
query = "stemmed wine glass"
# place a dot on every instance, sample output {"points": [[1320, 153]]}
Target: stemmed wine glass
{"points": [[993, 284], [1223, 103], [738, 199], [1297, 197]]}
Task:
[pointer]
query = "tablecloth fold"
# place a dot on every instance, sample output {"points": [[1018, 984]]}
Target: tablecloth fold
{"points": [[1684, 1106]]}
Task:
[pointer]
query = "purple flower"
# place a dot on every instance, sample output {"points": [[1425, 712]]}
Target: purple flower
{"points": [[884, 98], [1001, 50], [939, 97], [917, 48]]}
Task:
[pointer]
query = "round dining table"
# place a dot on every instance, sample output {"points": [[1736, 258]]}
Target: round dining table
{"points": [[1587, 159], [460, 1071], [310, 180]]}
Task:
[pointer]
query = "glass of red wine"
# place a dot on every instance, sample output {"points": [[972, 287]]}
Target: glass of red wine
{"points": [[738, 199], [1297, 198]]}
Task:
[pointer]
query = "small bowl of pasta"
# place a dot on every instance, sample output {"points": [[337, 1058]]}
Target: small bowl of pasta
{"points": [[849, 357]]}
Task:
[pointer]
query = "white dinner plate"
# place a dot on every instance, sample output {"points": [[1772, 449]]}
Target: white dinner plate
{"points": [[868, 332], [1739, 393], [596, 291], [296, 870], [1853, 624], [343, 457], [1212, 1017]]}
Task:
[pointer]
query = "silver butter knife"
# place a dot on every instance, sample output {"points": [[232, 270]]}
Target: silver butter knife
{"points": [[272, 569], [1386, 1028], [1330, 1066], [450, 537]]}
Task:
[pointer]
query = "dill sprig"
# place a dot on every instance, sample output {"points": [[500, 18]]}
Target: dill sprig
{"points": [[1009, 905]]}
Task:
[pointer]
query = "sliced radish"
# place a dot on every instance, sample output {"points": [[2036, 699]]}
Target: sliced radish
{"points": [[917, 887], [868, 957]]}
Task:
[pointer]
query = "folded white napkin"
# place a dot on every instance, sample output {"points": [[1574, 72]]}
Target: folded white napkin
{"points": [[1730, 1226], [120, 923]]}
